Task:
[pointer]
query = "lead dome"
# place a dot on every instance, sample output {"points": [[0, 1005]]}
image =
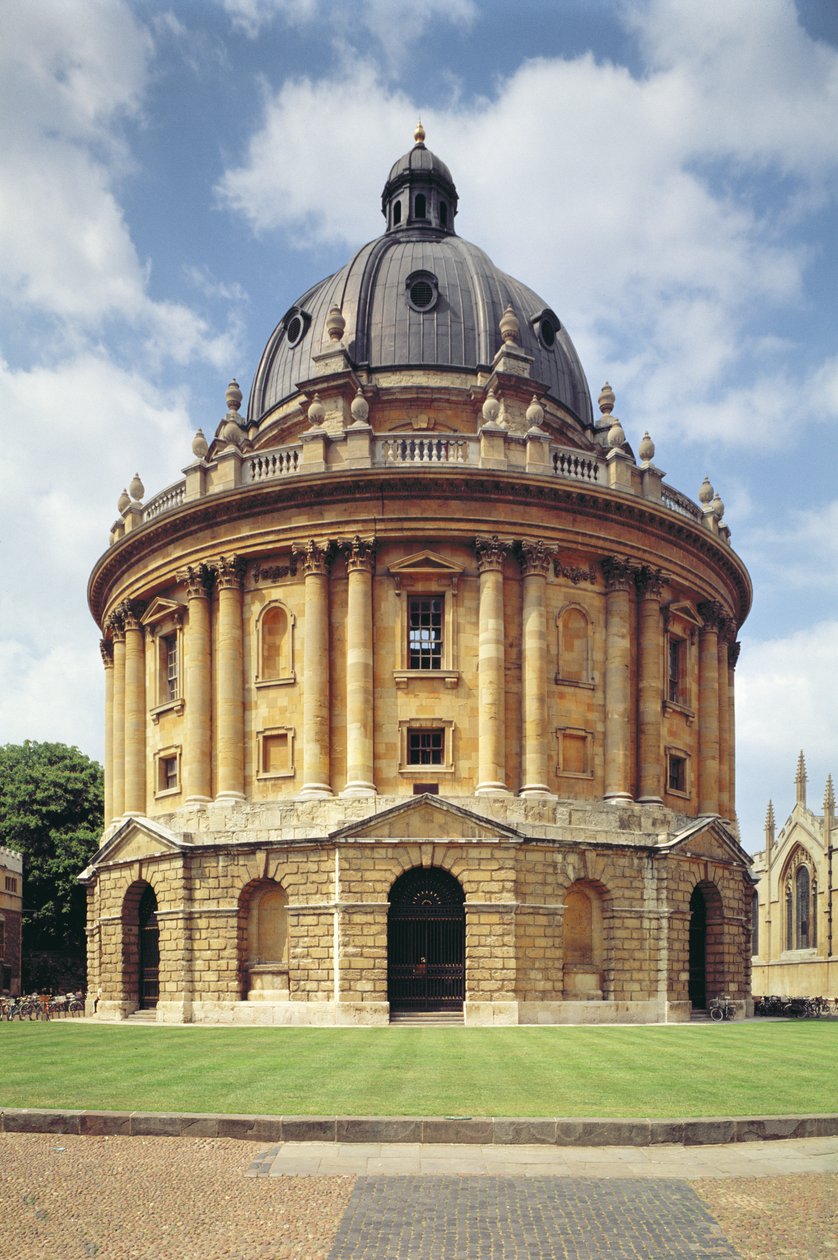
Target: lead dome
{"points": [[420, 296]]}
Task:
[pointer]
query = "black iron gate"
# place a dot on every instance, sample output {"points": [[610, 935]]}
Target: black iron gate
{"points": [[149, 948], [426, 942]]}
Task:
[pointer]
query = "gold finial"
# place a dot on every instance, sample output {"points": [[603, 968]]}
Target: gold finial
{"points": [[419, 133]]}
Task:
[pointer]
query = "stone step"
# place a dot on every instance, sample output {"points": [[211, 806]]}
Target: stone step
{"points": [[427, 1019]]}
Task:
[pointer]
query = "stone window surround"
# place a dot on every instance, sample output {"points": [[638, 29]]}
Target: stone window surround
{"points": [[577, 731], [162, 755], [164, 621], [681, 623], [446, 725], [681, 754], [426, 580], [261, 772]]}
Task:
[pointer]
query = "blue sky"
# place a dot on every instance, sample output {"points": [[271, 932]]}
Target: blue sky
{"points": [[664, 173]]}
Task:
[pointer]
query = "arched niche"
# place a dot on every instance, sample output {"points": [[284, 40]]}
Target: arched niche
{"points": [[574, 646], [263, 941], [584, 942], [275, 644]]}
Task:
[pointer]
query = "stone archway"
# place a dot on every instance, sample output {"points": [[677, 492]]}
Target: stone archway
{"points": [[426, 942], [706, 956], [140, 948]]}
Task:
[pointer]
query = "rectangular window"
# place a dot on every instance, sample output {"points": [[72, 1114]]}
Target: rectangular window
{"points": [[676, 690], [167, 774], [424, 632], [426, 747], [11, 884], [676, 778]]}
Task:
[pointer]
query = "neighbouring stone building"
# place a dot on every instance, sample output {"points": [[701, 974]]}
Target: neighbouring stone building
{"points": [[11, 920], [795, 946], [419, 683]]}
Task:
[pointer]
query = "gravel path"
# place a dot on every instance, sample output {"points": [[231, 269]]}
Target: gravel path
{"points": [[134, 1198]]}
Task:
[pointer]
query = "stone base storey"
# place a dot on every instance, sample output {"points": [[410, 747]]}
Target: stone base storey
{"points": [[516, 912]]}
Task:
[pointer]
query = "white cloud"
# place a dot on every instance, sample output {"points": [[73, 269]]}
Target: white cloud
{"points": [[57, 696], [71, 73], [636, 242]]}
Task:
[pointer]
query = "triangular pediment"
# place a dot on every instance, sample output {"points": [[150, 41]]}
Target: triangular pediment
{"points": [[159, 609], [134, 838], [686, 610], [425, 562], [426, 818], [709, 838]]}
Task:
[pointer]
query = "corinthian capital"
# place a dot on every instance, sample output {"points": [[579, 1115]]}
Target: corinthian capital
{"points": [[491, 552], [312, 556], [229, 572], [197, 580], [713, 615], [649, 582], [132, 610], [106, 648], [359, 553], [618, 573], [535, 557]]}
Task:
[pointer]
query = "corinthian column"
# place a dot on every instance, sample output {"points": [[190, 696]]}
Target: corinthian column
{"points": [[708, 708], [135, 711], [491, 695], [360, 564], [316, 690], [535, 562], [106, 648], [725, 636], [197, 752], [230, 680], [117, 629], [619, 585], [732, 658], [649, 684]]}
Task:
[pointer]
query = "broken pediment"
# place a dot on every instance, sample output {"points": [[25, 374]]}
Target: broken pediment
{"points": [[427, 818], [135, 838]]}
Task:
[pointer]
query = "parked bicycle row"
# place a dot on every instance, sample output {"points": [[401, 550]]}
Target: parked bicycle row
{"points": [[41, 1006], [798, 1008]]}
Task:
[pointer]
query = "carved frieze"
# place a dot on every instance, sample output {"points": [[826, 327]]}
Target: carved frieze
{"points": [[263, 572], [575, 573]]}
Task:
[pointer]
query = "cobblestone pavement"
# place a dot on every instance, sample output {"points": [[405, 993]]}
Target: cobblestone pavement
{"points": [[527, 1218], [143, 1198]]}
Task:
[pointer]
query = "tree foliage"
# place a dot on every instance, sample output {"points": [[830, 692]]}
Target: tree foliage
{"points": [[51, 811]]}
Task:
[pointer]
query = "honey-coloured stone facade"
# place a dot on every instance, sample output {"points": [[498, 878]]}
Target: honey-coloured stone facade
{"points": [[418, 612], [11, 920]]}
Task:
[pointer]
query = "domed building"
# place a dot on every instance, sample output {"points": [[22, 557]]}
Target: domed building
{"points": [[419, 682]]}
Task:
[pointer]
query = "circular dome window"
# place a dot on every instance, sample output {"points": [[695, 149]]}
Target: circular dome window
{"points": [[547, 325], [422, 291], [295, 324]]}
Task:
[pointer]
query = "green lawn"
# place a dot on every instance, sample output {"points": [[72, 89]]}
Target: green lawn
{"points": [[732, 1069]]}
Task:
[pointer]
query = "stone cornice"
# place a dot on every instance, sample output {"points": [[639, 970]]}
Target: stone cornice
{"points": [[599, 504]]}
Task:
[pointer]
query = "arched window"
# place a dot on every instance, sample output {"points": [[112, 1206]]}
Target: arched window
{"points": [[443, 214], [755, 923], [801, 886], [397, 213], [276, 661], [574, 648], [789, 918], [419, 210], [814, 931]]}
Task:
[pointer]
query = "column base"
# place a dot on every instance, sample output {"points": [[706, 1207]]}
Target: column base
{"points": [[229, 798], [315, 792], [199, 800], [618, 798], [359, 787], [649, 800], [492, 789], [538, 791]]}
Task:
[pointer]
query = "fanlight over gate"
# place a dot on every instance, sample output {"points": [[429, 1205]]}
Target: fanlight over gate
{"points": [[426, 942]]}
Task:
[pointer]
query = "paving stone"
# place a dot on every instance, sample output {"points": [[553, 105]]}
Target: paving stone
{"points": [[536, 1218]]}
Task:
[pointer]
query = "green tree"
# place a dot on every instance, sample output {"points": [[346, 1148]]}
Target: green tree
{"points": [[51, 810]]}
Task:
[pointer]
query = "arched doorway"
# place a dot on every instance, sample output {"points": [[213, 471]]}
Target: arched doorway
{"points": [[426, 942], [149, 969], [706, 962]]}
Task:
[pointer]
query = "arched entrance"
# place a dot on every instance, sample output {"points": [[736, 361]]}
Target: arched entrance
{"points": [[149, 951], [426, 942], [706, 956]]}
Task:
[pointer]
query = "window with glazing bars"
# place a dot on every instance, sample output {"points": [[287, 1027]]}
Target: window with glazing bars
{"points": [[426, 747], [424, 632]]}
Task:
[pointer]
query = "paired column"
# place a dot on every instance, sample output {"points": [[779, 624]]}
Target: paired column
{"points": [[197, 755], [725, 635], [360, 565], [316, 690], [230, 680], [117, 629], [708, 708], [619, 586], [535, 563], [649, 682], [106, 648], [135, 711], [491, 692]]}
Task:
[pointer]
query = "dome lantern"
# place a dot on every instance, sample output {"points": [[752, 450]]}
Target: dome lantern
{"points": [[419, 192]]}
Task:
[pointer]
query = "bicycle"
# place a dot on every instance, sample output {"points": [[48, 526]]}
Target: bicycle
{"points": [[722, 1007]]}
